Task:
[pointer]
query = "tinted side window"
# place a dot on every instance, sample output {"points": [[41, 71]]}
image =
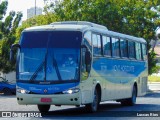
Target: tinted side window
{"points": [[96, 41], [106, 46], [115, 47], [144, 52], [138, 51], [124, 48], [87, 40], [131, 49]]}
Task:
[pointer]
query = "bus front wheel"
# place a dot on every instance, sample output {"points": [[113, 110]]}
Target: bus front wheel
{"points": [[93, 107], [43, 108], [131, 101]]}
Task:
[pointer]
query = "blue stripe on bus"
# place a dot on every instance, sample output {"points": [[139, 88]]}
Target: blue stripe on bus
{"points": [[114, 70]]}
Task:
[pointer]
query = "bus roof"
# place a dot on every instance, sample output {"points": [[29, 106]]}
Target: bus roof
{"points": [[83, 26], [82, 23], [125, 36], [67, 25]]}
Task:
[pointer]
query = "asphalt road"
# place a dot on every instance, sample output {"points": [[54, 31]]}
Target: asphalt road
{"points": [[147, 107]]}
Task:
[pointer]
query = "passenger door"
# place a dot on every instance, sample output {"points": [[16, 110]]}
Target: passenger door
{"points": [[86, 81]]}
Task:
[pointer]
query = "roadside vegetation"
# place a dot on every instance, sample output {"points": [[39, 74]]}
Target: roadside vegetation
{"points": [[153, 78], [8, 26]]}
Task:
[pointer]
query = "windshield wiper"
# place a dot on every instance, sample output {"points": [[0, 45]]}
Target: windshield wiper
{"points": [[56, 68], [44, 64], [40, 68]]}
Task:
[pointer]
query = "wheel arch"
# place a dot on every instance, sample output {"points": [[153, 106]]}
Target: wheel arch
{"points": [[6, 88], [98, 87], [136, 86]]}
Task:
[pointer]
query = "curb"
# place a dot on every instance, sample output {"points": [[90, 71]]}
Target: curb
{"points": [[153, 82], [151, 91]]}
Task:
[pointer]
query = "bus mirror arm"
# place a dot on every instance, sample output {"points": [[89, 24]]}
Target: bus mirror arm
{"points": [[88, 58], [13, 46], [83, 46], [11, 55]]}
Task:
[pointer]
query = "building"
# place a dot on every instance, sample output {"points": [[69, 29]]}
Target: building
{"points": [[32, 12], [157, 51], [48, 2]]}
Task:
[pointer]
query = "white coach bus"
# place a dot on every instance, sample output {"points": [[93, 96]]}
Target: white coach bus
{"points": [[79, 63]]}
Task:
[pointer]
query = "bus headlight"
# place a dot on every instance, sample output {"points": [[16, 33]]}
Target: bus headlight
{"points": [[23, 91], [71, 91]]}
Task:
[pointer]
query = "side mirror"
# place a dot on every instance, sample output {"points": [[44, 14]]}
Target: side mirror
{"points": [[88, 58], [13, 46]]}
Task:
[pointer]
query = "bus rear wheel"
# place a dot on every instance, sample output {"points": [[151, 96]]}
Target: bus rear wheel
{"points": [[93, 107], [131, 101], [43, 108]]}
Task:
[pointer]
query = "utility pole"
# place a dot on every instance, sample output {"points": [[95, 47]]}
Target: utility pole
{"points": [[35, 7]]}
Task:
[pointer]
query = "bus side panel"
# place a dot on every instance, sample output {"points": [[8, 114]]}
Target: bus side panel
{"points": [[143, 80], [142, 86], [119, 76], [86, 91]]}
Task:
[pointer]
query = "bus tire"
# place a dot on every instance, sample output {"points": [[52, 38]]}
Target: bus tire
{"points": [[7, 91], [43, 108], [130, 101], [93, 107]]}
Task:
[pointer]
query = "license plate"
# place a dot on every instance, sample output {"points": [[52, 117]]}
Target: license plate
{"points": [[46, 100]]}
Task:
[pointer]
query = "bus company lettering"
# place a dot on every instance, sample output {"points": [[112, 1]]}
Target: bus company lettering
{"points": [[124, 68]]}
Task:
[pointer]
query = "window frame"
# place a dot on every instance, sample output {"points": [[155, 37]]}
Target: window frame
{"points": [[101, 49], [116, 38], [134, 58], [109, 45], [85, 40], [126, 48], [139, 52], [143, 58]]}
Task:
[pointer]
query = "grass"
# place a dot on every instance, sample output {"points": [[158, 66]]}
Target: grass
{"points": [[153, 78]]}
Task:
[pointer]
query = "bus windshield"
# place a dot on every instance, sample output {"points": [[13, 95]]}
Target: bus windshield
{"points": [[52, 56]]}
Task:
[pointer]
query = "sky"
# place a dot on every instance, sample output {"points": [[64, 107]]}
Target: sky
{"points": [[23, 5]]}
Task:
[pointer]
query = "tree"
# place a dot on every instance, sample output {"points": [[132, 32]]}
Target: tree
{"points": [[139, 18], [35, 21], [7, 33], [134, 17], [3, 8]]}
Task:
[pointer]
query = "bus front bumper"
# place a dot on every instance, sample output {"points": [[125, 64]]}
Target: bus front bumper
{"points": [[58, 99]]}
